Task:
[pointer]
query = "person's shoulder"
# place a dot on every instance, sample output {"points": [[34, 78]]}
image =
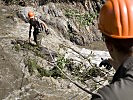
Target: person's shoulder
{"points": [[105, 93], [116, 90]]}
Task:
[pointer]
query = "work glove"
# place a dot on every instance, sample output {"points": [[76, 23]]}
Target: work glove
{"points": [[105, 63]]}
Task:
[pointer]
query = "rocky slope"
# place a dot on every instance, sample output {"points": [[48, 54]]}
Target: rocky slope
{"points": [[20, 76], [15, 79]]}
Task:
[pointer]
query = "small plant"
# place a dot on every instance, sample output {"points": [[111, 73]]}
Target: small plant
{"points": [[16, 47], [62, 62], [94, 72], [44, 72], [54, 72], [32, 65], [23, 45], [71, 13]]}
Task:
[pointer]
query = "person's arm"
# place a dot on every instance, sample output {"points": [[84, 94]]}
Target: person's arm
{"points": [[43, 23], [30, 32], [45, 26]]}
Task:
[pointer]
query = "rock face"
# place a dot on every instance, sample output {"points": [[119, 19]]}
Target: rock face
{"points": [[10, 75], [10, 72], [86, 3], [15, 78], [55, 18]]}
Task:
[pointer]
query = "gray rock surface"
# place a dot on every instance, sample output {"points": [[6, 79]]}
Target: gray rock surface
{"points": [[54, 17], [10, 72], [15, 79]]}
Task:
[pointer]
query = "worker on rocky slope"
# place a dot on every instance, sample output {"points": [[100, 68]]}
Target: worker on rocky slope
{"points": [[39, 27], [116, 25]]}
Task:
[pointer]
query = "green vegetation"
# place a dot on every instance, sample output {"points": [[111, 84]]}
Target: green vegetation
{"points": [[23, 45], [16, 47], [54, 72], [84, 19], [76, 71], [33, 66], [69, 66]]}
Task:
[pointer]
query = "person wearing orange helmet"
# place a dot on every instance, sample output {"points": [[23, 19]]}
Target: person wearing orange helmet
{"points": [[38, 26], [31, 14], [116, 25]]}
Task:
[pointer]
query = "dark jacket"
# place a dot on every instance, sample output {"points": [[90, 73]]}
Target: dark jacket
{"points": [[36, 24], [121, 87]]}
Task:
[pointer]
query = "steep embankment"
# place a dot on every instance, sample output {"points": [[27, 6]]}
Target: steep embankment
{"points": [[15, 79], [24, 67]]}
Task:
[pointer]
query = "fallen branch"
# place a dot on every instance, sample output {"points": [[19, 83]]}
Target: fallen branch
{"points": [[84, 89], [107, 72]]}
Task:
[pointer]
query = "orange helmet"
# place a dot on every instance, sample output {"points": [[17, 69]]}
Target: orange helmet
{"points": [[31, 14], [116, 19]]}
